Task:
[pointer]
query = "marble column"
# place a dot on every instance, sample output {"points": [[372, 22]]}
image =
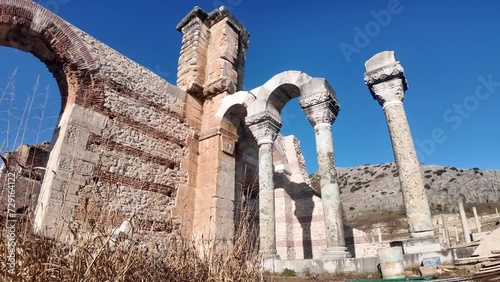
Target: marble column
{"points": [[447, 239], [387, 83], [264, 128], [476, 219], [465, 223], [321, 109]]}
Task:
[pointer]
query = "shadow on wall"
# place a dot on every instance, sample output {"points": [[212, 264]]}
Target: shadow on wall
{"points": [[302, 195], [349, 240]]}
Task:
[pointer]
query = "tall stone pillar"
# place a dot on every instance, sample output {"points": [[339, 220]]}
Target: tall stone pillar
{"points": [[387, 83], [265, 128], [321, 109], [465, 223], [210, 67], [476, 219], [212, 57], [446, 231]]}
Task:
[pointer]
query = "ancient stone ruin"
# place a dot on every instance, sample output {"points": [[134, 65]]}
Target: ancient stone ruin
{"points": [[180, 158]]}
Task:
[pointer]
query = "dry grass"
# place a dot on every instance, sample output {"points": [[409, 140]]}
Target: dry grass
{"points": [[95, 259], [96, 255]]}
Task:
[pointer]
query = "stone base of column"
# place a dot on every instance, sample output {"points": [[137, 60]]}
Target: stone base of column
{"points": [[268, 260], [269, 255], [422, 235], [421, 245], [335, 253]]}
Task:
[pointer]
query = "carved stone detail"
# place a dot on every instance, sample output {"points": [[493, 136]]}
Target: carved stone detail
{"points": [[320, 106], [228, 144], [325, 112], [385, 73], [387, 83], [214, 131], [389, 91], [314, 98], [264, 127], [228, 139]]}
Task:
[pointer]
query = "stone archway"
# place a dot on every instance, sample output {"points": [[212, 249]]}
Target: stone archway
{"points": [[29, 27], [264, 105], [26, 26], [122, 127]]}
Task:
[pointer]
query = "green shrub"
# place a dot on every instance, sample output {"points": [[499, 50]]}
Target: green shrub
{"points": [[288, 273], [439, 172]]}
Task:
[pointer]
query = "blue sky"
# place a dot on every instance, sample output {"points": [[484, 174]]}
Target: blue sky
{"points": [[449, 50]]}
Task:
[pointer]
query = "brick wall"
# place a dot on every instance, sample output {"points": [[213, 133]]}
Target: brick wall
{"points": [[127, 140]]}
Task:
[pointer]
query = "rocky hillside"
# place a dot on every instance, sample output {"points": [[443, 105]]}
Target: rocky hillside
{"points": [[375, 188]]}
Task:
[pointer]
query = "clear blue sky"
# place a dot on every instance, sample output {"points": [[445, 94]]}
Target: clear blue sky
{"points": [[446, 48]]}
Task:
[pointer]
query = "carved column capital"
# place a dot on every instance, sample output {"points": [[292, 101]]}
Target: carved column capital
{"points": [[389, 92], [387, 84], [323, 113], [264, 127], [320, 107]]}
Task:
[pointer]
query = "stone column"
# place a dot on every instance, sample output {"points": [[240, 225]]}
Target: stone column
{"points": [[465, 224], [476, 219], [321, 109], [387, 83], [446, 231], [265, 128]]}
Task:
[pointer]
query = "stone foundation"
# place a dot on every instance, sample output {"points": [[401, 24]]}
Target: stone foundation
{"points": [[358, 265]]}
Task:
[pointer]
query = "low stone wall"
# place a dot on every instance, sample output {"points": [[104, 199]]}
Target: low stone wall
{"points": [[26, 194], [358, 265]]}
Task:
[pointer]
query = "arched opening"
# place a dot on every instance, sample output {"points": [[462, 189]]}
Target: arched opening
{"points": [[28, 100], [30, 109], [246, 184], [295, 123], [281, 95], [296, 200], [28, 27], [294, 207]]}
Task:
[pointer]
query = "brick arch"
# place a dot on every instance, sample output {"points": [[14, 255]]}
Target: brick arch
{"points": [[27, 26]]}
